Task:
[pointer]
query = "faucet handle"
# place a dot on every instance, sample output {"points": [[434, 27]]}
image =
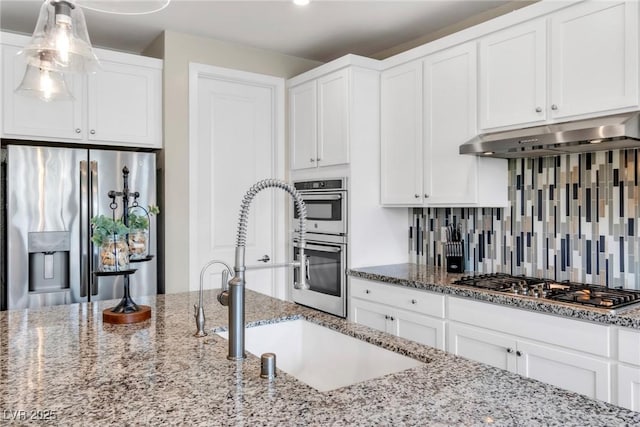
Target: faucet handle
{"points": [[225, 280]]}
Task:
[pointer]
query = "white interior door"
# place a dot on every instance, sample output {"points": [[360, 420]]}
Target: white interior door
{"points": [[236, 140]]}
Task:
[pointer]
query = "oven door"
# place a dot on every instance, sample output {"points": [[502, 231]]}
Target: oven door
{"points": [[326, 212], [327, 270]]}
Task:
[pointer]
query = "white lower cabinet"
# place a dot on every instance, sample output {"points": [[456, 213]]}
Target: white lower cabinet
{"points": [[560, 367], [629, 368], [533, 353], [597, 360], [377, 306]]}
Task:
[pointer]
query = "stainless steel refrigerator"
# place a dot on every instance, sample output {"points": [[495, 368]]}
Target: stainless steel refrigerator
{"points": [[51, 195]]}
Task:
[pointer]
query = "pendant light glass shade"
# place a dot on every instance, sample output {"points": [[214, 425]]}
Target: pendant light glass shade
{"points": [[124, 7], [44, 83], [61, 34]]}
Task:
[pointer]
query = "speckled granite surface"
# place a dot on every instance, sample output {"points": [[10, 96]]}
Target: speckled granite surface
{"points": [[65, 360], [437, 280]]}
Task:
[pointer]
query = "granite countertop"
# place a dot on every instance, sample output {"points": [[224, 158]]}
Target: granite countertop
{"points": [[437, 280], [62, 365]]}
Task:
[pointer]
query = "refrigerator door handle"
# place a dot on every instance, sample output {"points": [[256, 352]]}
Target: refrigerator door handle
{"points": [[93, 279], [85, 230]]}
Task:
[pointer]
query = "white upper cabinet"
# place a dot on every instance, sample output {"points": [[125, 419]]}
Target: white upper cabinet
{"points": [[121, 104], [594, 58], [333, 118], [429, 109], [319, 121], [513, 76], [304, 125], [401, 135], [125, 103], [25, 117], [590, 58]]}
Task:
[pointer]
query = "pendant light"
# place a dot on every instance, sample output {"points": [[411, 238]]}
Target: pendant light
{"points": [[60, 44], [61, 34], [44, 83]]}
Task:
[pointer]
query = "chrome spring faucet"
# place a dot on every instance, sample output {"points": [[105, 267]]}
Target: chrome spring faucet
{"points": [[233, 295]]}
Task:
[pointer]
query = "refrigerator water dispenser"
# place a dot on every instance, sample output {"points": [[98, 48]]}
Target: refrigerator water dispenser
{"points": [[49, 268]]}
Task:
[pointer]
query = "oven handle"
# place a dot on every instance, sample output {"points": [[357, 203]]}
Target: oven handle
{"points": [[333, 249], [322, 197]]}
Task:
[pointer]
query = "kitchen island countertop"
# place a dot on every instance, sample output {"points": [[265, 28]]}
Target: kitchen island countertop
{"points": [[62, 365], [437, 280]]}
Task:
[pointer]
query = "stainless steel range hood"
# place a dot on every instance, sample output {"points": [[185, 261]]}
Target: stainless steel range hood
{"points": [[602, 133]]}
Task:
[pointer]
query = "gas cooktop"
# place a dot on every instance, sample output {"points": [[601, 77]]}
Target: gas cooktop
{"points": [[568, 292]]}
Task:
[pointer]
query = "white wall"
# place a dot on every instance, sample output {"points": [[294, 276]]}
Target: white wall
{"points": [[178, 50]]}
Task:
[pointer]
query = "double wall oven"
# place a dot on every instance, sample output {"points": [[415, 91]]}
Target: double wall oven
{"points": [[326, 246]]}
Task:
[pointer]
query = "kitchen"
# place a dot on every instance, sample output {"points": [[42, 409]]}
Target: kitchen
{"points": [[175, 277]]}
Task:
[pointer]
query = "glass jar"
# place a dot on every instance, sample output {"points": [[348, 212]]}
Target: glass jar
{"points": [[138, 244], [114, 254]]}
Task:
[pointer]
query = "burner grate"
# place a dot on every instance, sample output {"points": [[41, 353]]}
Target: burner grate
{"points": [[568, 292]]}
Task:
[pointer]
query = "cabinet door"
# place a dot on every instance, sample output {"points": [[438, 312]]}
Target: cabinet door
{"points": [[376, 316], [303, 125], [449, 121], [401, 135], [482, 346], [423, 329], [594, 58], [124, 104], [333, 119], [32, 118], [565, 369], [513, 76], [629, 387]]}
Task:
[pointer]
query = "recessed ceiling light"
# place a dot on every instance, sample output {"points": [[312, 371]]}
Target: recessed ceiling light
{"points": [[301, 2], [595, 141], [488, 153]]}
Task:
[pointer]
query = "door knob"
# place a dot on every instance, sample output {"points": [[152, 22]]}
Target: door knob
{"points": [[265, 258]]}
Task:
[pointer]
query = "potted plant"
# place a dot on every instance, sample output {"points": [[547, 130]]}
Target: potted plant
{"points": [[109, 235], [139, 231]]}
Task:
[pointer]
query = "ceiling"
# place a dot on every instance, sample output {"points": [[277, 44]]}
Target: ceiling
{"points": [[322, 31]]}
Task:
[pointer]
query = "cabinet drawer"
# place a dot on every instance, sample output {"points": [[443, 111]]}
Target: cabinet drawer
{"points": [[423, 302], [574, 334], [629, 346]]}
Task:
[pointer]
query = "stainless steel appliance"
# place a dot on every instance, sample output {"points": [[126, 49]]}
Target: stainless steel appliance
{"points": [[51, 195], [568, 292], [326, 246], [615, 132], [326, 202], [327, 275]]}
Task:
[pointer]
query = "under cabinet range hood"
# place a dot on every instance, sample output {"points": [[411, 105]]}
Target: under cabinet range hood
{"points": [[614, 132]]}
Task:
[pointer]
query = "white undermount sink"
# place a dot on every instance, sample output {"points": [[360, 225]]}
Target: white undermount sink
{"points": [[320, 357]]}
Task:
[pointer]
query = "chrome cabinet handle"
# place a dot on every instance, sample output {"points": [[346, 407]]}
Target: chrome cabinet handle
{"points": [[509, 350], [367, 291], [426, 196], [391, 318], [92, 131], [554, 107], [318, 159], [538, 110], [518, 353], [78, 130], [312, 160], [386, 317], [413, 301], [417, 196], [265, 258]]}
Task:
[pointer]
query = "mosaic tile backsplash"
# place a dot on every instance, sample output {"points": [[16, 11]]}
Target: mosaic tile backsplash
{"points": [[571, 217]]}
